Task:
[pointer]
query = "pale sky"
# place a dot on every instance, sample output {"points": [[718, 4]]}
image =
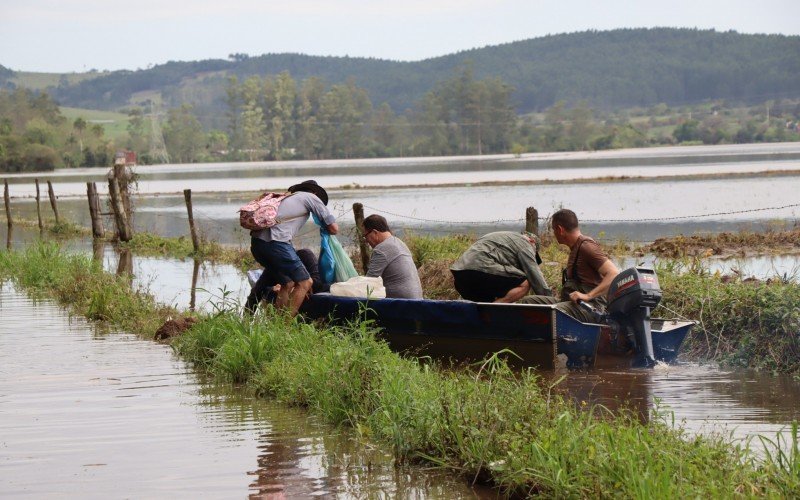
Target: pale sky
{"points": [[77, 35]]}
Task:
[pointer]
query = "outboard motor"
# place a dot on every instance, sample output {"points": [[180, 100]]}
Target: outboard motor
{"points": [[631, 296]]}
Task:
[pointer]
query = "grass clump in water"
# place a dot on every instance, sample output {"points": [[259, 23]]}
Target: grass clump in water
{"points": [[487, 423]]}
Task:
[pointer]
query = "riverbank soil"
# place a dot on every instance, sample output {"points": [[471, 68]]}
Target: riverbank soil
{"points": [[723, 245]]}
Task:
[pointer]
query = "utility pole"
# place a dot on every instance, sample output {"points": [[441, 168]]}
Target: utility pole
{"points": [[158, 148]]}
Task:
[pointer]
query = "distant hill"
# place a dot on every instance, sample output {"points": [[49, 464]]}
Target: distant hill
{"points": [[609, 69]]}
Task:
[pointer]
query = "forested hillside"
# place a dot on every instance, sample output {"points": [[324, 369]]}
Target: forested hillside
{"points": [[581, 91], [610, 69]]}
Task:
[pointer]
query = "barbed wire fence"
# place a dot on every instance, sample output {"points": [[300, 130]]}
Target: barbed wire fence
{"points": [[428, 225]]}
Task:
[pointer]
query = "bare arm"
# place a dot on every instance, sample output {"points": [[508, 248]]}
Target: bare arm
{"points": [[333, 228], [515, 294], [608, 271]]}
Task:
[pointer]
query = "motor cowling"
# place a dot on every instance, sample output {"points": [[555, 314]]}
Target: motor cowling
{"points": [[631, 296], [633, 288]]}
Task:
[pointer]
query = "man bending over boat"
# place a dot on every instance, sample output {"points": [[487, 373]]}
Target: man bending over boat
{"points": [[500, 267], [588, 274], [272, 247], [391, 260]]}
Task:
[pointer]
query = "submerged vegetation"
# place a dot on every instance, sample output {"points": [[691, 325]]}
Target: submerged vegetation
{"points": [[485, 422]]}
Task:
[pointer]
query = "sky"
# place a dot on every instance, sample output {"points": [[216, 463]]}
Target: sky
{"points": [[78, 35]]}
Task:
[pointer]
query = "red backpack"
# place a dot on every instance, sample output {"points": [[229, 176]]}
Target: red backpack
{"points": [[262, 212]]}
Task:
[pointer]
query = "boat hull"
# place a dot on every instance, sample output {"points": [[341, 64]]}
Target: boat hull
{"points": [[537, 335]]}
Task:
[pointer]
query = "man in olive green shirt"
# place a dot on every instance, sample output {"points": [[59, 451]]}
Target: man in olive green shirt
{"points": [[500, 267]]}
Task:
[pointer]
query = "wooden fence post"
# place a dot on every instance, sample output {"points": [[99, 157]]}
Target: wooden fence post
{"points": [[187, 195], [121, 173], [532, 220], [123, 229], [39, 206], [7, 199], [358, 212], [94, 210], [53, 202]]}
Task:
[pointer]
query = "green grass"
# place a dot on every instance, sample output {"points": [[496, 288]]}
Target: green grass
{"points": [[751, 324], [40, 81], [486, 423], [64, 229], [181, 247]]}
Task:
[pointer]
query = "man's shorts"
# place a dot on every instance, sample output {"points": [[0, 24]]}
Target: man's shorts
{"points": [[478, 286], [280, 260]]}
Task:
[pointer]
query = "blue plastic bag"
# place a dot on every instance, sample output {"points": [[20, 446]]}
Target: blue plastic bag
{"points": [[326, 261], [334, 263]]}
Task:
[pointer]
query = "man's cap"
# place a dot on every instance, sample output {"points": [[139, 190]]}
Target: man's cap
{"points": [[535, 238]]}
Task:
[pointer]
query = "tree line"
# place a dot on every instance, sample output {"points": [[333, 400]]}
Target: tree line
{"points": [[274, 118], [35, 136]]}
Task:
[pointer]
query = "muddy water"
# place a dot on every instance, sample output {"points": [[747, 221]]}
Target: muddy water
{"points": [[742, 404], [94, 414]]}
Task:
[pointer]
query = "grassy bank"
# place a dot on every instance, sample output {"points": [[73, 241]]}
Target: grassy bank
{"points": [[786, 241], [741, 323], [753, 324], [486, 423], [79, 283]]}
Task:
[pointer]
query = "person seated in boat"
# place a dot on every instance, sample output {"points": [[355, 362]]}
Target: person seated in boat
{"points": [[588, 274], [266, 288], [500, 267], [391, 260], [272, 247]]}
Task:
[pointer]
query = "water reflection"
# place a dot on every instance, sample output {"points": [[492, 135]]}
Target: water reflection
{"points": [[98, 249], [193, 293], [703, 398], [99, 414], [125, 262]]}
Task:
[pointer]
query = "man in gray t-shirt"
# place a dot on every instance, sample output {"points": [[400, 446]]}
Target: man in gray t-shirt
{"points": [[391, 260]]}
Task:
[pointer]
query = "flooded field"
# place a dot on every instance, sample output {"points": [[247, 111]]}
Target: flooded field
{"points": [[100, 414], [229, 177], [91, 413], [636, 210]]}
